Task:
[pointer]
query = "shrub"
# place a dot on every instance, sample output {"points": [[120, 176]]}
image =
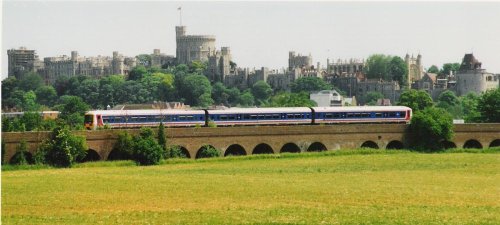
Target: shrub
{"points": [[429, 128], [176, 152], [20, 158], [62, 150], [146, 151], [208, 152], [123, 148]]}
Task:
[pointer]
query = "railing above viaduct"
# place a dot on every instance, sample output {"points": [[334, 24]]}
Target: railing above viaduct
{"points": [[270, 139]]}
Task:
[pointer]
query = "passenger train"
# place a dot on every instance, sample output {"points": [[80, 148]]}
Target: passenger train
{"points": [[247, 116]]}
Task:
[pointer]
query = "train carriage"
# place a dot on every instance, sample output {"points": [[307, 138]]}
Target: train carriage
{"points": [[363, 114], [256, 116], [140, 118]]}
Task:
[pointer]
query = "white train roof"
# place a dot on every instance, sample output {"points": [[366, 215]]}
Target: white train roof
{"points": [[361, 108], [260, 110], [145, 112]]}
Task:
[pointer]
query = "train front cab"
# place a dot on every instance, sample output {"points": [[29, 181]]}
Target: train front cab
{"points": [[91, 121]]}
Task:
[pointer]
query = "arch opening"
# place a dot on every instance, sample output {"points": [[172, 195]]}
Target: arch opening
{"points": [[235, 150], [495, 143], [91, 156], [472, 143], [18, 158], [290, 147], [207, 151], [177, 151], [116, 154], [395, 145], [448, 144], [316, 147], [369, 144], [262, 149]]}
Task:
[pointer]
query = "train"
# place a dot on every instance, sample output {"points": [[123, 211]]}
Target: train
{"points": [[246, 116]]}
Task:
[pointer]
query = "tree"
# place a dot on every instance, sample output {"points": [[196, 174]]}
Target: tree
{"points": [[197, 67], [88, 90], [433, 69], [144, 59], [397, 71], [220, 94], [30, 82], [31, 120], [261, 91], [9, 85], [146, 150], [246, 99], [377, 67], [46, 95], [285, 99], [309, 84], [469, 105], [72, 110], [448, 101], [417, 100], [489, 106], [166, 89], [63, 149], [162, 140], [196, 90], [372, 97], [29, 102], [429, 128], [447, 67], [137, 73]]}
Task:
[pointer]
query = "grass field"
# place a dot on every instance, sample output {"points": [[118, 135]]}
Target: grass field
{"points": [[375, 187]]}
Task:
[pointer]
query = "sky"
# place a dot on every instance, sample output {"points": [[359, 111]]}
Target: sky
{"points": [[260, 34]]}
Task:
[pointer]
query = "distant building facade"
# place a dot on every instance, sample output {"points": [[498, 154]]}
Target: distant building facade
{"points": [[415, 68], [193, 47], [55, 67], [21, 61], [472, 78], [159, 59], [327, 98]]}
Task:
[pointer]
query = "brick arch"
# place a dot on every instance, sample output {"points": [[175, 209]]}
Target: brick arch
{"points": [[369, 144], [290, 148], [448, 144], [395, 144], [203, 148], [262, 148], [92, 155], [27, 155], [316, 147], [473, 143], [494, 143], [235, 150], [183, 150]]}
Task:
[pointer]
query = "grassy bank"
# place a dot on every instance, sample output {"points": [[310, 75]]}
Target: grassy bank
{"points": [[367, 187]]}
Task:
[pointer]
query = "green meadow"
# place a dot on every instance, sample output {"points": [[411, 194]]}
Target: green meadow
{"points": [[336, 187]]}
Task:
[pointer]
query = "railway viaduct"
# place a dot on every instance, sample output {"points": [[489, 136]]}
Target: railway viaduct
{"points": [[269, 139]]}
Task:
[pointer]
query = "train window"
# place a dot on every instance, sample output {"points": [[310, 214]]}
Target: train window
{"points": [[328, 115], [182, 118], [392, 114], [246, 116], [254, 117], [158, 118], [289, 116], [190, 118], [143, 119], [336, 115], [105, 119], [365, 115], [276, 116], [349, 115], [231, 117], [379, 115], [402, 114], [269, 116], [223, 117], [298, 116]]}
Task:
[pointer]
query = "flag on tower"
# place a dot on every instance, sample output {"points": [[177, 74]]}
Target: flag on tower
{"points": [[179, 8]]}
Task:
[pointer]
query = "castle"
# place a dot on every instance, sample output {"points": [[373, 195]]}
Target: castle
{"points": [[51, 68]]}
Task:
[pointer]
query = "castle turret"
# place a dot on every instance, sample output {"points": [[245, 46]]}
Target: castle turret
{"points": [[180, 31]]}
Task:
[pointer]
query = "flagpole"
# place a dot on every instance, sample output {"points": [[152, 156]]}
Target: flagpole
{"points": [[180, 14]]}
